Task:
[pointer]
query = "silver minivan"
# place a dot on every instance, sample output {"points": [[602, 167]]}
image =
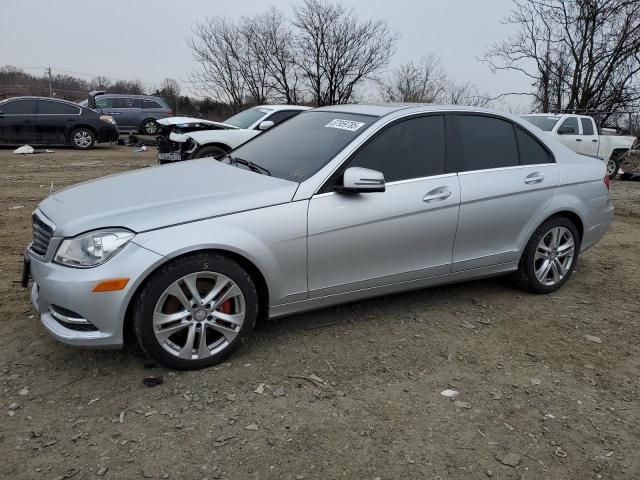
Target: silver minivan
{"points": [[335, 205], [133, 112]]}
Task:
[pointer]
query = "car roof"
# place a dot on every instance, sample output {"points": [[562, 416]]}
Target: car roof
{"points": [[565, 114], [284, 107], [107, 94], [31, 97], [384, 109]]}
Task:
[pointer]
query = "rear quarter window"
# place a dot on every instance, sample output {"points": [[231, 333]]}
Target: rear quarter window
{"points": [[149, 104], [531, 151]]}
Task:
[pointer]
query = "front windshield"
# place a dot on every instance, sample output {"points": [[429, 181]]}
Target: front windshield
{"points": [[248, 117], [542, 122], [298, 148]]}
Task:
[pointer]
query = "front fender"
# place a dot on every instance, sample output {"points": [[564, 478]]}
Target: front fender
{"points": [[274, 239]]}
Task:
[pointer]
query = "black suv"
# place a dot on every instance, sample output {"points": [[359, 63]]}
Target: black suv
{"points": [[46, 121]]}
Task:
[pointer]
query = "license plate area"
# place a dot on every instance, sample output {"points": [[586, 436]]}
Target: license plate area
{"points": [[171, 156]]}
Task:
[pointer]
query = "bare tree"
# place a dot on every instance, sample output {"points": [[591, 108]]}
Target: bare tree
{"points": [[215, 49], [271, 42], [579, 54], [335, 52], [100, 83], [422, 82], [464, 93]]}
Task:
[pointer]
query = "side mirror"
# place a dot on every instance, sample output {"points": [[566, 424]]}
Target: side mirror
{"points": [[266, 125], [361, 180], [566, 131]]}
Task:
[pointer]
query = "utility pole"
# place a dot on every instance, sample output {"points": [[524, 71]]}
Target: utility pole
{"points": [[50, 90]]}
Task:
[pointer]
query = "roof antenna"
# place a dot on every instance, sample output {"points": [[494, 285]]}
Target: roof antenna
{"points": [[51, 189]]}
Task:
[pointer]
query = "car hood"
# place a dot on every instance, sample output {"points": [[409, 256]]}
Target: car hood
{"points": [[231, 138], [193, 121], [161, 196]]}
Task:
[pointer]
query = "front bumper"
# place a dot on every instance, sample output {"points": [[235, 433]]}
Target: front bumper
{"points": [[57, 288]]}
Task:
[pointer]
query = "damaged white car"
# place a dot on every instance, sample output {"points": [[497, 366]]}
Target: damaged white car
{"points": [[187, 138]]}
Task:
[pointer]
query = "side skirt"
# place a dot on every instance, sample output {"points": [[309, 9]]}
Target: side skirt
{"points": [[356, 295]]}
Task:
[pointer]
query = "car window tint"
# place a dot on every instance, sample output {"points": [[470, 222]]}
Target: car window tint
{"points": [[19, 107], [570, 122], [281, 116], [104, 102], [531, 151], [47, 107], [150, 104], [126, 102], [487, 142], [587, 126], [412, 148]]}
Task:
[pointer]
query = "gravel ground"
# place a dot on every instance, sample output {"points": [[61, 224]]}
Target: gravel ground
{"points": [[548, 385]]}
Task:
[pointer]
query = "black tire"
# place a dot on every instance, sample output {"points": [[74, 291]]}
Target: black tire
{"points": [[149, 127], [155, 286], [525, 276], [210, 151], [613, 167], [82, 138], [626, 176]]}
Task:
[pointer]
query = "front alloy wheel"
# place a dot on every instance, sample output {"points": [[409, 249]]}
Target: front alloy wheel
{"points": [[195, 311], [150, 127], [199, 315]]}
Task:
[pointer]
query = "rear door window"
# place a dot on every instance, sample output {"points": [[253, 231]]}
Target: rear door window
{"points": [[48, 107], [413, 148], [486, 142], [19, 107], [126, 102], [587, 126]]}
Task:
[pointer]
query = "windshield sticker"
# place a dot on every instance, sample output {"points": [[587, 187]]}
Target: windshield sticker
{"points": [[344, 124]]}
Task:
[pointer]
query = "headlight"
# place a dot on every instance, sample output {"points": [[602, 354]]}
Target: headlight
{"points": [[108, 119], [93, 248]]}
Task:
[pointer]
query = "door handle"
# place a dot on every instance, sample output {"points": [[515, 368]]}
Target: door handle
{"points": [[440, 193], [595, 140], [578, 139], [114, 113], [535, 177]]}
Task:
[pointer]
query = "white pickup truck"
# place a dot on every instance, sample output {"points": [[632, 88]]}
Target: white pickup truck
{"points": [[580, 133]]}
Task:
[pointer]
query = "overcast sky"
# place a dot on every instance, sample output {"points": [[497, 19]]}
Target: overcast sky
{"points": [[124, 39]]}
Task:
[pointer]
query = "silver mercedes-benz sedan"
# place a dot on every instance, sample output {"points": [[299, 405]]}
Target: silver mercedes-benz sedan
{"points": [[334, 205]]}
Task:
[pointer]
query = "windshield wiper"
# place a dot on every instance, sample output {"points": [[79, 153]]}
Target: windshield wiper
{"points": [[254, 167]]}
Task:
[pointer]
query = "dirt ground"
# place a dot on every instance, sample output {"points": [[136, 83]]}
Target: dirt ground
{"points": [[531, 384]]}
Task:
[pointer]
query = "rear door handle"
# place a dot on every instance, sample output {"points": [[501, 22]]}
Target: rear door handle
{"points": [[437, 194], [595, 140], [578, 139], [114, 113], [535, 177]]}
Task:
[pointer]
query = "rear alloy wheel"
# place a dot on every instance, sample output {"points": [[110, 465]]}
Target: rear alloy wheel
{"points": [[195, 311], [150, 127], [550, 256], [82, 138], [612, 168]]}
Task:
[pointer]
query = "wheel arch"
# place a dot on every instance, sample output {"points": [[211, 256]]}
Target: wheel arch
{"points": [[254, 272], [221, 145]]}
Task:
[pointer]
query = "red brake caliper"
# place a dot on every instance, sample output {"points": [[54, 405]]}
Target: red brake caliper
{"points": [[225, 307]]}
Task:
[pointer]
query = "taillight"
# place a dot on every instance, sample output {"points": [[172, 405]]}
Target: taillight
{"points": [[607, 182], [170, 113]]}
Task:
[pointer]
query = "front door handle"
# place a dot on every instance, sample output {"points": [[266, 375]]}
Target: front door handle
{"points": [[437, 194], [535, 177], [578, 139], [114, 113], [595, 140]]}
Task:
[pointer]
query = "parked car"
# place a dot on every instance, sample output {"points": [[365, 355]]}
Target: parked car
{"points": [[335, 205], [133, 112], [580, 133], [218, 138], [47, 121]]}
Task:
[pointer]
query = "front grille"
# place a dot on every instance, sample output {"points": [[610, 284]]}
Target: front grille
{"points": [[42, 234]]}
